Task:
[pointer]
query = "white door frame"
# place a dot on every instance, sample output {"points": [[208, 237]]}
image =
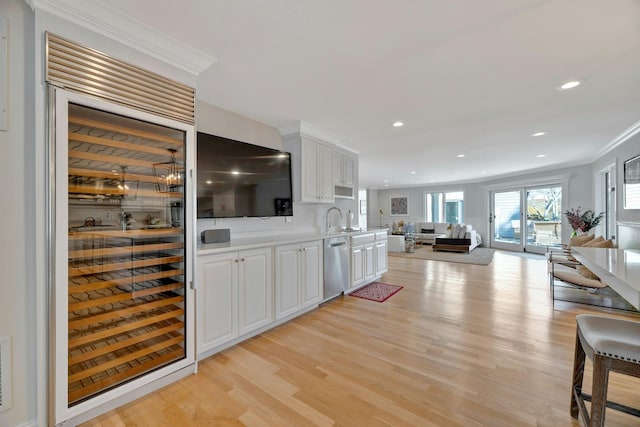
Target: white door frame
{"points": [[499, 244], [607, 228], [522, 185]]}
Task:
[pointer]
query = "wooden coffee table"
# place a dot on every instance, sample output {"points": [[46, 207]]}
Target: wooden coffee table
{"points": [[452, 245], [450, 248]]}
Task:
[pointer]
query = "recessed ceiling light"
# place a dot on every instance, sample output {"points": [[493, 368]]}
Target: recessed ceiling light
{"points": [[398, 124], [235, 173], [460, 155], [538, 134], [386, 185], [569, 85], [386, 180], [413, 172], [209, 181], [541, 156]]}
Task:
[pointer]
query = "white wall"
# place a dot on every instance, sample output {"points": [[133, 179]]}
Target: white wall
{"points": [[476, 196], [17, 310]]}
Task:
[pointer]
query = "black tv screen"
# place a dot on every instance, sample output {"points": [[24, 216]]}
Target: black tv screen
{"points": [[236, 179]]}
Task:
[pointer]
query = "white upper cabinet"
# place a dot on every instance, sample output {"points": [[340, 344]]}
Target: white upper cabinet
{"points": [[344, 174], [316, 181], [343, 169], [320, 171]]}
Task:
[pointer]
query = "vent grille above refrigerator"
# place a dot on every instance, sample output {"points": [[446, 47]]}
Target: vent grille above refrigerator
{"points": [[80, 69]]}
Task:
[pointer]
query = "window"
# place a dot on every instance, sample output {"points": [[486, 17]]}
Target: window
{"points": [[445, 207], [632, 183]]}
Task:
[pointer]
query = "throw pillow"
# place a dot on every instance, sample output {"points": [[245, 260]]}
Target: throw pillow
{"points": [[580, 240], [585, 272], [604, 244], [456, 231], [593, 242], [428, 231]]}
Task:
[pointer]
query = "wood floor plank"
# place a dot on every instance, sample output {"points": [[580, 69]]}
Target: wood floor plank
{"points": [[460, 345]]}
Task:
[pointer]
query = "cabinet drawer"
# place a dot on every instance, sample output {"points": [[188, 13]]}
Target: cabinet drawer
{"points": [[362, 239], [381, 235]]}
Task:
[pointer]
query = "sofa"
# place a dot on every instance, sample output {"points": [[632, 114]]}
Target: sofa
{"points": [[456, 237], [426, 232]]}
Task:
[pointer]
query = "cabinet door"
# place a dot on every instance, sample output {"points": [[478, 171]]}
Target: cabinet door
{"points": [[337, 167], [121, 309], [357, 265], [369, 262], [310, 172], [312, 273], [348, 170], [325, 174], [254, 290], [217, 300], [288, 298], [381, 257]]}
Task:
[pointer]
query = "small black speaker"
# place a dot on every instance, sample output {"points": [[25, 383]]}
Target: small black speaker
{"points": [[220, 235]]}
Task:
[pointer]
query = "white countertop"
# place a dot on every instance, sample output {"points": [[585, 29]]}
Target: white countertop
{"points": [[618, 268], [280, 239]]}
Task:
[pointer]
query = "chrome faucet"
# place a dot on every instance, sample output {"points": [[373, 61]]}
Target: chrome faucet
{"points": [[326, 217]]}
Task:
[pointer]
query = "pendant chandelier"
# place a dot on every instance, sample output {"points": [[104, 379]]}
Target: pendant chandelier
{"points": [[169, 175]]}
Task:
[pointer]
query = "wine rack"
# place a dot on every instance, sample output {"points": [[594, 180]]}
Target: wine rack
{"points": [[126, 250]]}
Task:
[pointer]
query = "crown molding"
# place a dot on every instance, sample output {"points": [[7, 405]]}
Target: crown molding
{"points": [[97, 16], [619, 140], [307, 129]]}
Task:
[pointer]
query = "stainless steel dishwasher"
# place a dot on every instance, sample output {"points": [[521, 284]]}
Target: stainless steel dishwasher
{"points": [[336, 266]]}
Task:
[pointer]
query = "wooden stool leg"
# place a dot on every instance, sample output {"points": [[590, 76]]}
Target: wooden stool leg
{"points": [[599, 390], [578, 375]]}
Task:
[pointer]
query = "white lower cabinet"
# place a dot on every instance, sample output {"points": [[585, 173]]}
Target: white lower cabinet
{"points": [[368, 257], [363, 267], [381, 253], [357, 265], [234, 295], [369, 262], [298, 277]]}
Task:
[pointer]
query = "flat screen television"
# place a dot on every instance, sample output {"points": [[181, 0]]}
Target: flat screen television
{"points": [[237, 179]]}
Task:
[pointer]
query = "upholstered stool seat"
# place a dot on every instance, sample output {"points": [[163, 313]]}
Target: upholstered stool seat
{"points": [[612, 345]]}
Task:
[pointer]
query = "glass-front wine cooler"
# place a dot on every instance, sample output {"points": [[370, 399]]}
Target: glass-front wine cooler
{"points": [[123, 306]]}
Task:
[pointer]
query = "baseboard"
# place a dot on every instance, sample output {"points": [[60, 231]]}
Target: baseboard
{"points": [[32, 423]]}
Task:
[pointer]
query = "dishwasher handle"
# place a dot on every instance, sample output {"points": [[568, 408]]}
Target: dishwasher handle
{"points": [[333, 245]]}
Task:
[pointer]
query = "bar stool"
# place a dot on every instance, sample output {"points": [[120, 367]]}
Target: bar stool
{"points": [[611, 345]]}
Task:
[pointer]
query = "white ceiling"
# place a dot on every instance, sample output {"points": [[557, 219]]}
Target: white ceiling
{"points": [[465, 76]]}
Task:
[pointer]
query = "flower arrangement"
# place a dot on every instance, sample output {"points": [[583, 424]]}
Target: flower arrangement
{"points": [[583, 221]]}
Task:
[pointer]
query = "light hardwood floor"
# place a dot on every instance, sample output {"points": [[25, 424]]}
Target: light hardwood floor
{"points": [[460, 345]]}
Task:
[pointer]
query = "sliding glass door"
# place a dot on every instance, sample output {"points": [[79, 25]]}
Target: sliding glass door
{"points": [[544, 218], [528, 218], [506, 220]]}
